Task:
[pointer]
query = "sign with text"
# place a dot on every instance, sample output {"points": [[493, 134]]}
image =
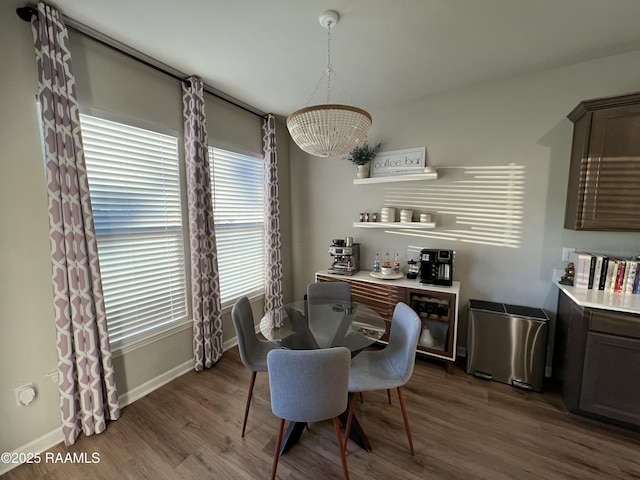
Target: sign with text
{"points": [[398, 162]]}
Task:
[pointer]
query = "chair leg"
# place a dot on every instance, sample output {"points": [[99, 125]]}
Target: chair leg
{"points": [[342, 447], [347, 429], [248, 404], [389, 395], [406, 420], [276, 455], [361, 398]]}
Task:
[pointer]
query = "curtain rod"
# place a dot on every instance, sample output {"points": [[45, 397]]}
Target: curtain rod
{"points": [[26, 12]]}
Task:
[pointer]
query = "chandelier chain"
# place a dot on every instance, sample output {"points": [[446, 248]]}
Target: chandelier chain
{"points": [[329, 66]]}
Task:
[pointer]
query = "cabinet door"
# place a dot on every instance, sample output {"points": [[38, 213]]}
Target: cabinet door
{"points": [[437, 311], [568, 357], [608, 185], [610, 382], [381, 298]]}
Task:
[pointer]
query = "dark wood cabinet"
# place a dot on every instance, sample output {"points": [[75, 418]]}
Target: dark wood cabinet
{"points": [[597, 361], [604, 177], [568, 361]]}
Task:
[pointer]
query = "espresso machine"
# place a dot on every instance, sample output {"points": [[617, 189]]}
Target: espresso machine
{"points": [[436, 267], [345, 255]]}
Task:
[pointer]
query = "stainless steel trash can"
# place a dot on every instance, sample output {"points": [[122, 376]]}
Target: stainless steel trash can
{"points": [[507, 343]]}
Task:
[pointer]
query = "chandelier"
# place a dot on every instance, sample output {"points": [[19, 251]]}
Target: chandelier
{"points": [[328, 129]]}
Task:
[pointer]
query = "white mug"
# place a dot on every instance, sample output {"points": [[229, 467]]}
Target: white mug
{"points": [[406, 216]]}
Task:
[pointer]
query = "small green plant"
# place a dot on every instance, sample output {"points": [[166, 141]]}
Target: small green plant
{"points": [[363, 154]]}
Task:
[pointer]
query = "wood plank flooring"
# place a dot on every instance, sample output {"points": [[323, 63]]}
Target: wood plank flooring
{"points": [[463, 428]]}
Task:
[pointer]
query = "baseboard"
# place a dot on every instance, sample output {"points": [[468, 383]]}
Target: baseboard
{"points": [[155, 383], [54, 437], [39, 445]]}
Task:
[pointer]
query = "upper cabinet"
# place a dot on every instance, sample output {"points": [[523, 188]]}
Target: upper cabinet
{"points": [[604, 177]]}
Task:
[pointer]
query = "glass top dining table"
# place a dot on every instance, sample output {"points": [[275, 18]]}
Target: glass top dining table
{"points": [[322, 324], [308, 325]]}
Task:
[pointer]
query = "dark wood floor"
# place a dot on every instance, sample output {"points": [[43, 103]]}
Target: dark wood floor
{"points": [[463, 428]]}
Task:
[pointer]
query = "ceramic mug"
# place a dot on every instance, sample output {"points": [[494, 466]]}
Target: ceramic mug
{"points": [[406, 216]]}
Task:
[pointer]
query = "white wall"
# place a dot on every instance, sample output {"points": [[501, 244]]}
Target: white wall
{"points": [[518, 121]]}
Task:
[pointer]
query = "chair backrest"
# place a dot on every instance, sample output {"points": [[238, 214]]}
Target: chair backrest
{"points": [[248, 342], [329, 291], [403, 340], [309, 385]]}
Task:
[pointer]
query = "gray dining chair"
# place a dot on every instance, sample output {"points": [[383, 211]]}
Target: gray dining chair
{"points": [[329, 291], [253, 351], [390, 367], [309, 386]]}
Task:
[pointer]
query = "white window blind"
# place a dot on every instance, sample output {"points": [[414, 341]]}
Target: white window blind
{"points": [[135, 194], [237, 189]]}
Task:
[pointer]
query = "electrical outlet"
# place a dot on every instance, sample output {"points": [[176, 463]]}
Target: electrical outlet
{"points": [[25, 394], [566, 251]]}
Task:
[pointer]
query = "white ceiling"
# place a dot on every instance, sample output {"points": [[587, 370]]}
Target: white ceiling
{"points": [[271, 53]]}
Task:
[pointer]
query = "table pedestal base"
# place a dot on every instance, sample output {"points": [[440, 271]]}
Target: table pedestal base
{"points": [[294, 431]]}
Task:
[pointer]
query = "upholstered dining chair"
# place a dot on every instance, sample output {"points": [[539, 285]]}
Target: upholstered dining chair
{"points": [[390, 367], [309, 386], [329, 291], [253, 351]]}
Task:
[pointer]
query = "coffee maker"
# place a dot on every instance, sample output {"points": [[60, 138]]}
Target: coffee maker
{"points": [[436, 267], [346, 256]]}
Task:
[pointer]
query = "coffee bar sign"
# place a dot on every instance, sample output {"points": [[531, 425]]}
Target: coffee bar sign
{"points": [[398, 162]]}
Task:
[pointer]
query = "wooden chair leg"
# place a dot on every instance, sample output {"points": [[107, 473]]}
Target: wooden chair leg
{"points": [[406, 420], [361, 398], [342, 447], [276, 455], [347, 429], [389, 395], [248, 404]]}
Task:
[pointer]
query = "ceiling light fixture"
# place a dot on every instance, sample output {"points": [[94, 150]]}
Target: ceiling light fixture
{"points": [[328, 129]]}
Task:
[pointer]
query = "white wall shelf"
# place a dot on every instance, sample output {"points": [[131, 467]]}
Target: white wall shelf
{"points": [[397, 178], [396, 225]]}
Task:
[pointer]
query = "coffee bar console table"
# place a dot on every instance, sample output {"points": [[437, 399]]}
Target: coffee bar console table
{"points": [[437, 307]]}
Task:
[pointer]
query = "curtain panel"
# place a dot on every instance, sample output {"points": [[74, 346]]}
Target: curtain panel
{"points": [[205, 285], [273, 242], [86, 381]]}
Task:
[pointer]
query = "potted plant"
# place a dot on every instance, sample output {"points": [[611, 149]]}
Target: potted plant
{"points": [[361, 156]]}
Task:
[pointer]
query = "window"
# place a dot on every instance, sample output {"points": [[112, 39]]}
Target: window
{"points": [[237, 189], [135, 193]]}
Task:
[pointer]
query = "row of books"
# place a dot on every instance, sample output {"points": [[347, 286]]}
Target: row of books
{"points": [[602, 272]]}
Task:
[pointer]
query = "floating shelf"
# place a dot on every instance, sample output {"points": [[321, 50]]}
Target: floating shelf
{"points": [[396, 225], [397, 178]]}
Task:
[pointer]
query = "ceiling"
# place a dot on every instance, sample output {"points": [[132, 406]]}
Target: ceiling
{"points": [[271, 54]]}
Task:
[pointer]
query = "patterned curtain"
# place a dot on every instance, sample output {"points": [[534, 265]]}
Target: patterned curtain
{"points": [[273, 243], [86, 381], [205, 286]]}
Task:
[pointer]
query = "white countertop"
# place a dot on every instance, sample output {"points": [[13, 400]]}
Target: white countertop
{"points": [[620, 302], [365, 276]]}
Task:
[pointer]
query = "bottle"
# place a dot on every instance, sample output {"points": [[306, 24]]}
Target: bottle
{"points": [[387, 262], [376, 263], [396, 264]]}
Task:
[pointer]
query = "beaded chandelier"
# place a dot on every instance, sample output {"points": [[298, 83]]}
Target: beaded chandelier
{"points": [[328, 129]]}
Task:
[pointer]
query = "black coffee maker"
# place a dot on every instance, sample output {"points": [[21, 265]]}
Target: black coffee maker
{"points": [[436, 267]]}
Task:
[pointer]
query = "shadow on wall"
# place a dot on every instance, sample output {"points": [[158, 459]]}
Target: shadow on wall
{"points": [[482, 205]]}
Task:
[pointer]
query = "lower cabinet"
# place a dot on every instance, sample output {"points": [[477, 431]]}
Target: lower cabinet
{"points": [[597, 361], [436, 306]]}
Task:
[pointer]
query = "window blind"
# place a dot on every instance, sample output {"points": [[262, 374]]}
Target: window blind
{"points": [[135, 193], [237, 189]]}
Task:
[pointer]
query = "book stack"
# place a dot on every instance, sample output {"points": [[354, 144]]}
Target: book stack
{"points": [[607, 273]]}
